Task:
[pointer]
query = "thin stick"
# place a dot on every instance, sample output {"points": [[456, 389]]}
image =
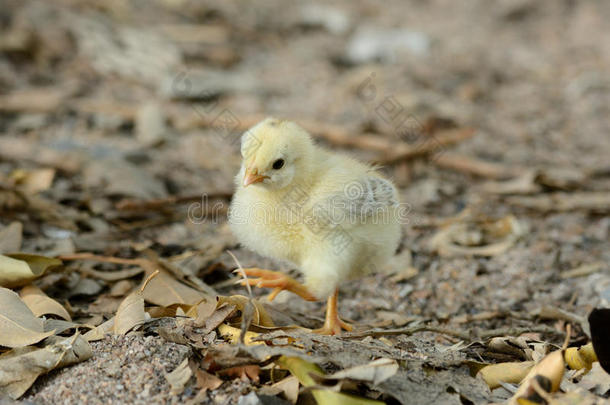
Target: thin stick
{"points": [[97, 258], [242, 272]]}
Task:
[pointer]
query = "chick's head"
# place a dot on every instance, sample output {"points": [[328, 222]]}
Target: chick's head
{"points": [[275, 154]]}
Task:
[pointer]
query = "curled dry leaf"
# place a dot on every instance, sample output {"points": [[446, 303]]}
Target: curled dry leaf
{"points": [[19, 368], [33, 181], [18, 325], [513, 373], [289, 386], [178, 378], [477, 237], [100, 331], [41, 304], [376, 372], [131, 311], [578, 358], [207, 381], [18, 269], [550, 369], [304, 371], [248, 372], [232, 334], [164, 290], [260, 316]]}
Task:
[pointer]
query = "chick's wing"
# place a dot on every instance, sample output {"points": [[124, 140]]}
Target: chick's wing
{"points": [[357, 202]]}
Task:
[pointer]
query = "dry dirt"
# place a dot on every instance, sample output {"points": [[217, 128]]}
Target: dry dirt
{"points": [[146, 100]]}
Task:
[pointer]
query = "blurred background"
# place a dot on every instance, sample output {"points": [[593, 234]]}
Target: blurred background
{"points": [[120, 123]]}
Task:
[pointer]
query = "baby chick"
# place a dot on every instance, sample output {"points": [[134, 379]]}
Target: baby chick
{"points": [[331, 216]]}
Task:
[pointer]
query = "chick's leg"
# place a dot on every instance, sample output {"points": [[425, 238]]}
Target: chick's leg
{"points": [[278, 281], [333, 324]]}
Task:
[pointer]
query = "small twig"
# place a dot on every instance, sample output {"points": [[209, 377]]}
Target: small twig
{"points": [[162, 203], [509, 331], [475, 166], [97, 258], [242, 272], [438, 142], [515, 331], [153, 275], [409, 331]]}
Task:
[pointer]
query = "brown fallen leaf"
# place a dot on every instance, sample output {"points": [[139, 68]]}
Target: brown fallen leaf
{"points": [[289, 387], [549, 371], [99, 332], [41, 304], [11, 237], [19, 368], [510, 372], [466, 237], [207, 381], [18, 325], [164, 290], [131, 311], [260, 316], [376, 371], [17, 269], [202, 311], [33, 181], [245, 373], [178, 378]]}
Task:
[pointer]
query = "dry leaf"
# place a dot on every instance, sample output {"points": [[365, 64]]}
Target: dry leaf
{"points": [[376, 372], [33, 181], [179, 377], [207, 381], [11, 237], [512, 373], [289, 386], [550, 369], [131, 311], [164, 290], [202, 311], [18, 325], [304, 370], [232, 334], [100, 331], [477, 238], [260, 316], [248, 372], [17, 269], [578, 358], [41, 304], [20, 368], [217, 318]]}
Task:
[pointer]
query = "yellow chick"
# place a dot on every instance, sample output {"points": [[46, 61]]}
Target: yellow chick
{"points": [[329, 215]]}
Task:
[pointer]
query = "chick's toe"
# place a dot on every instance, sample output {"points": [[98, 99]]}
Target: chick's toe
{"points": [[278, 281]]}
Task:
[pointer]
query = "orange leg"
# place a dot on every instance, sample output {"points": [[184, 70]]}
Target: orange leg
{"points": [[333, 324], [278, 281]]}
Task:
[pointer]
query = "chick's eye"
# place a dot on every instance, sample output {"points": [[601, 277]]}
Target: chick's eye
{"points": [[278, 164]]}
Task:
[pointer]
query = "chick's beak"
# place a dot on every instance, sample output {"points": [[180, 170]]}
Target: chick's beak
{"points": [[252, 177]]}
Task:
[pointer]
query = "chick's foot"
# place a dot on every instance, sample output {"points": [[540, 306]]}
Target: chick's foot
{"points": [[276, 280], [333, 324]]}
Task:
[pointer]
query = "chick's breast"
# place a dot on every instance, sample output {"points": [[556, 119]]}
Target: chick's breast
{"points": [[262, 223]]}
